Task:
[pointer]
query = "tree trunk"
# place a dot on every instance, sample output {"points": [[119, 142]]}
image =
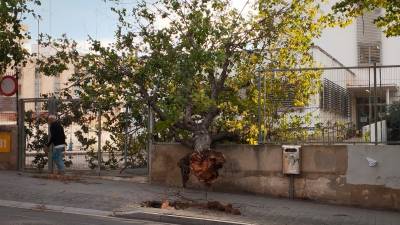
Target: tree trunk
{"points": [[202, 141]]}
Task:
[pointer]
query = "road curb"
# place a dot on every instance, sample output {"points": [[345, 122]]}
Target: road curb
{"points": [[55, 208], [137, 214], [175, 219]]}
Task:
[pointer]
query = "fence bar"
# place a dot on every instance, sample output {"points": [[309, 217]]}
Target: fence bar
{"points": [[265, 110], [150, 142], [381, 109], [126, 138], [327, 68], [21, 135], [18, 118], [260, 138], [369, 105], [99, 143], [375, 106], [51, 107]]}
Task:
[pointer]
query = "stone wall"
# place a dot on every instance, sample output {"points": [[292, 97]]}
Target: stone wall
{"points": [[331, 173], [9, 160]]}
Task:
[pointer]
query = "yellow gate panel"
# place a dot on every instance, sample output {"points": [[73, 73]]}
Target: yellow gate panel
{"points": [[5, 141]]}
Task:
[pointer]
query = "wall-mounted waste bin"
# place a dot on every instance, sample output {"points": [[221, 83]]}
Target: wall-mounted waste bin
{"points": [[291, 159]]}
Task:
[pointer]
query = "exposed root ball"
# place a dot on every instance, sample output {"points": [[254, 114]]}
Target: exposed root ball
{"points": [[205, 165]]}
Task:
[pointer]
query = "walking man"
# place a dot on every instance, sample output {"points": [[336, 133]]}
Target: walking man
{"points": [[57, 138]]}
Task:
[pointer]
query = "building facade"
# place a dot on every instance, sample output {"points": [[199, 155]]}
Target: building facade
{"points": [[361, 44]]}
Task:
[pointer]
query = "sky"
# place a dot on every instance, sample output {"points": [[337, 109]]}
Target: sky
{"points": [[76, 18], [80, 19]]}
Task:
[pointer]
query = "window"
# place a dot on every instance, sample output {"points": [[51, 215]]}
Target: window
{"points": [[335, 98], [369, 53]]}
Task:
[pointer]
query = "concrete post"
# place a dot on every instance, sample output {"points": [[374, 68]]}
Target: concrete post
{"points": [[387, 97]]}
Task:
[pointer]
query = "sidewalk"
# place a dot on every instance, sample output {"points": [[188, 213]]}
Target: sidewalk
{"points": [[125, 196]]}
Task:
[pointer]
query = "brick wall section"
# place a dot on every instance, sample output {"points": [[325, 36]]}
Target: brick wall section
{"points": [[7, 104], [258, 170], [8, 109]]}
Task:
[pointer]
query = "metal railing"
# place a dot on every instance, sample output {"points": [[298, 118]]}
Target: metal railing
{"points": [[351, 105]]}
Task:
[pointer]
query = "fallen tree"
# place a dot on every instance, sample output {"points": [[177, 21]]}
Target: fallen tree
{"points": [[196, 64]]}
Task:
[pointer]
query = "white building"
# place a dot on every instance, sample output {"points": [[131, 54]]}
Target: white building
{"points": [[352, 90]]}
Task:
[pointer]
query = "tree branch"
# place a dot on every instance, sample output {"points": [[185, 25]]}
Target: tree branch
{"points": [[161, 114], [213, 84], [212, 113]]}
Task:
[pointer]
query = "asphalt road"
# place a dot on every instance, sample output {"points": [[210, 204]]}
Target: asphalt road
{"points": [[16, 216]]}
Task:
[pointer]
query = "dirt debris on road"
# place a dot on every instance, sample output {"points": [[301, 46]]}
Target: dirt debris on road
{"points": [[179, 205]]}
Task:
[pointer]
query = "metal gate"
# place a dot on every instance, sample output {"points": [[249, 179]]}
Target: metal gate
{"points": [[90, 146]]}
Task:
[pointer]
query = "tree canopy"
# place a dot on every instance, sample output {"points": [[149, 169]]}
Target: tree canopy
{"points": [[12, 33], [389, 21]]}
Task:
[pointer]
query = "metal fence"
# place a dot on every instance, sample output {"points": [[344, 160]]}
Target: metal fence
{"points": [[348, 105], [90, 145]]}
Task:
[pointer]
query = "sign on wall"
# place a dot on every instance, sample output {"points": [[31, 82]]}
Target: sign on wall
{"points": [[8, 85], [5, 142]]}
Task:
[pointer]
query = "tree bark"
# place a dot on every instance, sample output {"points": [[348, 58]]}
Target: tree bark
{"points": [[202, 141]]}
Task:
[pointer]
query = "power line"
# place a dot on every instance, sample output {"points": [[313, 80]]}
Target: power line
{"points": [[244, 6]]}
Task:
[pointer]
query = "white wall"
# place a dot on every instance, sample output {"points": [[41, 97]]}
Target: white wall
{"points": [[385, 173], [390, 51], [341, 43], [381, 131]]}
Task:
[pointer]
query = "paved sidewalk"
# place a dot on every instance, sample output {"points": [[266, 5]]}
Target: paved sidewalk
{"points": [[125, 196]]}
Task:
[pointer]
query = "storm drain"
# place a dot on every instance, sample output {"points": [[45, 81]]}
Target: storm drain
{"points": [[176, 219]]}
